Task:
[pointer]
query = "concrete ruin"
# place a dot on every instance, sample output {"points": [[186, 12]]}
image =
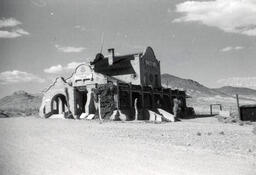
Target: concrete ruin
{"points": [[125, 87]]}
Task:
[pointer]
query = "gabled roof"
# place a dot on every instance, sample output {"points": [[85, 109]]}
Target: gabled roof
{"points": [[121, 65]]}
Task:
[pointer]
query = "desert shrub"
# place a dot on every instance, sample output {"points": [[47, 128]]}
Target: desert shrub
{"points": [[209, 133], [222, 133], [12, 112]]}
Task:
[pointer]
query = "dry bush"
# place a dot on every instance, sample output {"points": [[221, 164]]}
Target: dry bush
{"points": [[222, 133]]}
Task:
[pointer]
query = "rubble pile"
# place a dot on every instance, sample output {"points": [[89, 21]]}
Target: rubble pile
{"points": [[233, 118]]}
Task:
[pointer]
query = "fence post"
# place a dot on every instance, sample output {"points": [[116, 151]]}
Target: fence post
{"points": [[238, 108]]}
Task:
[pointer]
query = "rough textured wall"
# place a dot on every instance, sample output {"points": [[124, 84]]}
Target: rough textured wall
{"points": [[106, 94], [150, 69]]}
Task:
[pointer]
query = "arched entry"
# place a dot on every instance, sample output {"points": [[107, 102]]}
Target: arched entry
{"points": [[58, 104], [80, 95]]}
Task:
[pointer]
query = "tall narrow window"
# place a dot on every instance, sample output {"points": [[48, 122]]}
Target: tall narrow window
{"points": [[156, 80]]}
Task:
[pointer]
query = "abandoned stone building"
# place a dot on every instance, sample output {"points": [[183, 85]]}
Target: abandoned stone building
{"points": [[112, 83]]}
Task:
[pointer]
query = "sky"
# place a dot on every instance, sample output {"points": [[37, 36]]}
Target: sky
{"points": [[212, 42]]}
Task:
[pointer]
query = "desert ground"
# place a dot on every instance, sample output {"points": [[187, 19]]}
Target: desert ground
{"points": [[200, 146]]}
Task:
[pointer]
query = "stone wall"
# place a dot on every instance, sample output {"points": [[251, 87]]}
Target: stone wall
{"points": [[106, 94]]}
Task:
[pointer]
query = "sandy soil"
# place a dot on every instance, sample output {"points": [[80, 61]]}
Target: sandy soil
{"points": [[32, 146]]}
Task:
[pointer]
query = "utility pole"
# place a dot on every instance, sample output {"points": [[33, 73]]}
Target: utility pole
{"points": [[238, 108]]}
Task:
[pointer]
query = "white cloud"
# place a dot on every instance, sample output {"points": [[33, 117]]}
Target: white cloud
{"points": [[39, 3], [72, 65], [60, 69], [249, 82], [11, 23], [13, 34], [226, 49], [54, 69], [69, 49], [16, 76], [230, 48], [238, 48], [236, 16], [21, 31], [7, 34]]}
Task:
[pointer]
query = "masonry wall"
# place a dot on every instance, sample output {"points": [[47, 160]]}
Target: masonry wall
{"points": [[132, 78], [150, 69]]}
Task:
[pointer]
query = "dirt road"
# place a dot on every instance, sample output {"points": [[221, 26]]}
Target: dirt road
{"points": [[32, 146]]}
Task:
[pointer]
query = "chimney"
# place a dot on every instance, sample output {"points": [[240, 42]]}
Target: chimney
{"points": [[111, 57]]}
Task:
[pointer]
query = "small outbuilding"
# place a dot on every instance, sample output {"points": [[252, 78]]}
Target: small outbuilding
{"points": [[248, 112]]}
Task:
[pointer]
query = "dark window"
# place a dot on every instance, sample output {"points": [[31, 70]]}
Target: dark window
{"points": [[156, 80]]}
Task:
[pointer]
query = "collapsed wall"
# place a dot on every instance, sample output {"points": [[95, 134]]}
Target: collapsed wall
{"points": [[107, 103]]}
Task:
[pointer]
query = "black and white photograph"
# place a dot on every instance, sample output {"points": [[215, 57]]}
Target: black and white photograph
{"points": [[127, 87]]}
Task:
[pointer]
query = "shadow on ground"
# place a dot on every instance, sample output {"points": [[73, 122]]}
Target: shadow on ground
{"points": [[199, 116]]}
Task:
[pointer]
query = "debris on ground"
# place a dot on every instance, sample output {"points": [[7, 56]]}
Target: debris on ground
{"points": [[222, 133]]}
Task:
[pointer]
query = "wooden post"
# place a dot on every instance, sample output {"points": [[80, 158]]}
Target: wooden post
{"points": [[142, 102], [185, 101], [136, 108], [238, 106], [130, 95], [142, 98], [211, 109], [99, 108], [117, 96]]}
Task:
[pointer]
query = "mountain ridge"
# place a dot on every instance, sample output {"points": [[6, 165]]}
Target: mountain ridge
{"points": [[192, 87]]}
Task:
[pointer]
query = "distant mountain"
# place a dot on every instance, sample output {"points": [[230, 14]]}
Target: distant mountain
{"points": [[192, 87], [203, 96], [21, 103], [230, 90]]}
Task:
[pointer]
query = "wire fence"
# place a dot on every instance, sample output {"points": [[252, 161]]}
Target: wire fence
{"points": [[206, 110]]}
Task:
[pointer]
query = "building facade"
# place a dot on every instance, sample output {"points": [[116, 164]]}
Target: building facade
{"points": [[117, 81], [138, 69]]}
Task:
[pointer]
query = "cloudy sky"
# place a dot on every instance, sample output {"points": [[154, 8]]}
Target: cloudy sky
{"points": [[213, 42]]}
